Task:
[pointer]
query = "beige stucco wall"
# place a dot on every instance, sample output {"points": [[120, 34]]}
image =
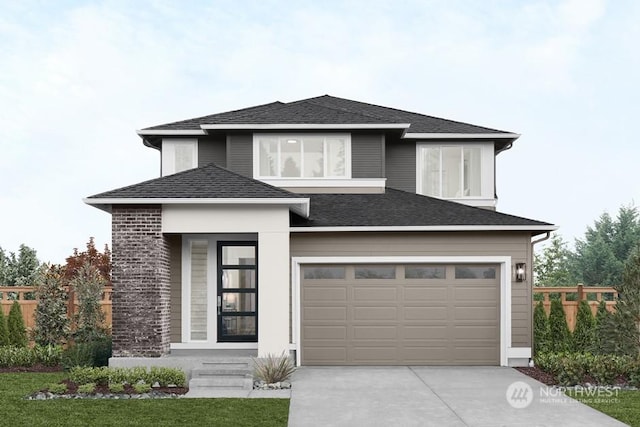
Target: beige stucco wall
{"points": [[271, 223]]}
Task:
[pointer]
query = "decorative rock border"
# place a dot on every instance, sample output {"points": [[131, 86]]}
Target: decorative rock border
{"points": [[41, 395], [261, 385]]}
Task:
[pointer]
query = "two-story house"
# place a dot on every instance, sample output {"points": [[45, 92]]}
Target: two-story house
{"points": [[345, 232]]}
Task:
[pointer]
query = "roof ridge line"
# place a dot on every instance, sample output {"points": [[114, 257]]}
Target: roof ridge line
{"points": [[412, 112]]}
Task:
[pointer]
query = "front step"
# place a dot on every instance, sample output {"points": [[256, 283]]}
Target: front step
{"points": [[224, 377]]}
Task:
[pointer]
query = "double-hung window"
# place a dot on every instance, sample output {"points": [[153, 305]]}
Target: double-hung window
{"points": [[455, 171], [305, 156]]}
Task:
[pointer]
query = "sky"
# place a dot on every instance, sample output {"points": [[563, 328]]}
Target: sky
{"points": [[78, 78]]}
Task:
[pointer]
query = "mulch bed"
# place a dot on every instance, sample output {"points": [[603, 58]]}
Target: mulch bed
{"points": [[34, 368], [539, 375]]}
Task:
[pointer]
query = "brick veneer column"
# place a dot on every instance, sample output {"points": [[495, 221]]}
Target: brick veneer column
{"points": [[140, 275]]}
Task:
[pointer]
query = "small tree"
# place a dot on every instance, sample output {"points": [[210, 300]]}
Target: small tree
{"points": [[599, 325], [88, 284], [619, 334], [4, 332], [101, 261], [582, 337], [540, 329], [15, 325], [52, 323], [558, 329]]}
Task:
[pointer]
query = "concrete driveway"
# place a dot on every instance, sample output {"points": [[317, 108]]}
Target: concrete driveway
{"points": [[432, 396]]}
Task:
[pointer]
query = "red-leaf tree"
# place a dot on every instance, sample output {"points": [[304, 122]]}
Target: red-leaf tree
{"points": [[101, 261]]}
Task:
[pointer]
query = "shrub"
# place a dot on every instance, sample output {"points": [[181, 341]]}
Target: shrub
{"points": [[606, 368], [633, 373], [51, 321], [548, 362], [48, 355], [582, 337], [558, 329], [59, 388], [166, 376], [571, 370], [4, 331], [11, 356], [94, 353], [87, 388], [142, 388], [116, 387], [540, 329], [88, 374], [15, 325], [273, 369]]}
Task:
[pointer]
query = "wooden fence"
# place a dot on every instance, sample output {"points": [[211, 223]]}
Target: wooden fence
{"points": [[28, 303], [572, 295]]}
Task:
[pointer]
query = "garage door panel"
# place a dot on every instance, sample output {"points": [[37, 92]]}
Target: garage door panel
{"points": [[378, 293], [377, 355], [325, 332], [373, 321], [425, 332], [375, 313], [425, 313], [435, 354], [487, 332], [324, 294], [325, 355], [325, 313], [375, 332], [425, 293], [476, 313]]}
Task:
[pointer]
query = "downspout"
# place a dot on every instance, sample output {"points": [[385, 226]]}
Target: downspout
{"points": [[533, 243]]}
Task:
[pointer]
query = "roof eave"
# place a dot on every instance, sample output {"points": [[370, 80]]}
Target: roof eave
{"points": [[531, 228], [298, 205], [434, 135]]}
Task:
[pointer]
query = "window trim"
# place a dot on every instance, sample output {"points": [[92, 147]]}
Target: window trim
{"points": [[168, 156], [487, 173], [279, 136]]}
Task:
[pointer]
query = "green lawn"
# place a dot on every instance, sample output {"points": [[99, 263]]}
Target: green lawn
{"points": [[624, 407], [159, 412]]}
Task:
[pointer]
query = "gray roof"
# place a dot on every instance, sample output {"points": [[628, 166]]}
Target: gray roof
{"points": [[400, 208], [328, 109], [207, 182]]}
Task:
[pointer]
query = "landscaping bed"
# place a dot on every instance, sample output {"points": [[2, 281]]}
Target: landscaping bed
{"points": [[102, 391]]}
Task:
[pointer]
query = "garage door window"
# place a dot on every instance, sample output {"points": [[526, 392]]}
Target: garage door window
{"points": [[375, 272], [324, 272], [475, 272], [424, 272]]}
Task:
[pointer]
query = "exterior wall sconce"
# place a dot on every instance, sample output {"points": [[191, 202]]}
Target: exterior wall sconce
{"points": [[521, 272]]}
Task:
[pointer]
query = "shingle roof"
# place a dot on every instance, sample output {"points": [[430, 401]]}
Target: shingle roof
{"points": [[207, 182], [399, 208], [328, 109]]}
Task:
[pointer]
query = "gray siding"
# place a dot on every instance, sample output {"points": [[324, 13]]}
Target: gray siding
{"points": [[240, 153], [515, 245], [212, 149], [401, 165], [367, 154], [175, 272]]}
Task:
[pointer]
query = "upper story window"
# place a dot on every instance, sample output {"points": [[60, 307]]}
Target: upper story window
{"points": [[179, 155], [302, 156], [455, 171]]}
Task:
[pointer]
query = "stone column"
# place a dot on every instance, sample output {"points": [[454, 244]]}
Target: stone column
{"points": [[141, 286]]}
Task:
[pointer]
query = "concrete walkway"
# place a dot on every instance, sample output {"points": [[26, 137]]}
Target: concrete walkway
{"points": [[431, 396]]}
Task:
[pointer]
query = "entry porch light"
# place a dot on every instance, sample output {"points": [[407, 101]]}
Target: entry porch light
{"points": [[521, 272]]}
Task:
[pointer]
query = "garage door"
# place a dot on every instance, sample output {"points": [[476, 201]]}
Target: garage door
{"points": [[400, 315]]}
